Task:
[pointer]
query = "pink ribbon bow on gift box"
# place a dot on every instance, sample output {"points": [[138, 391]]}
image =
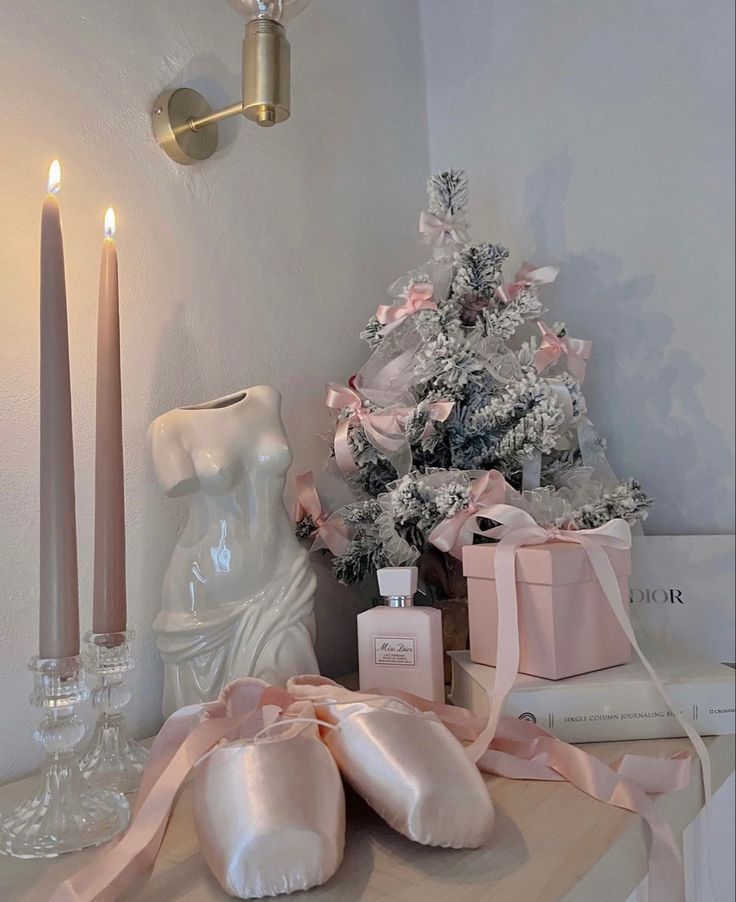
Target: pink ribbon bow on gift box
{"points": [[420, 296], [526, 277], [441, 231], [517, 529], [453, 533], [385, 429], [330, 530], [552, 347]]}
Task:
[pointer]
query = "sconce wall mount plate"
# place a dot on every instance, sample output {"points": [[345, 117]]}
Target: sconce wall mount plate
{"points": [[173, 112], [185, 125]]}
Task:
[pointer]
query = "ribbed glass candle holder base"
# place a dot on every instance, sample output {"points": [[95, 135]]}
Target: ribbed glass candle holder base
{"points": [[65, 813], [112, 759]]}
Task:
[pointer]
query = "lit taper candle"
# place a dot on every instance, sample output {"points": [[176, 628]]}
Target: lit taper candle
{"points": [[59, 600], [109, 604]]}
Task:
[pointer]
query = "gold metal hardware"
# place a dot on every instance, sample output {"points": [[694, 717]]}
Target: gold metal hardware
{"points": [[185, 125]]}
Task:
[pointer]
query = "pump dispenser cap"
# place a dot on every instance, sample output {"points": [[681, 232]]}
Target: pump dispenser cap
{"points": [[398, 584]]}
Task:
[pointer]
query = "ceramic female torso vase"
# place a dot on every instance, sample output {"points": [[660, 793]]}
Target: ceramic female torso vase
{"points": [[238, 594]]}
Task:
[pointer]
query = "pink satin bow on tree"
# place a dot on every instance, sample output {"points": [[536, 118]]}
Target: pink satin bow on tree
{"points": [[440, 231], [419, 297], [453, 533], [330, 531], [552, 347], [526, 277], [385, 429]]}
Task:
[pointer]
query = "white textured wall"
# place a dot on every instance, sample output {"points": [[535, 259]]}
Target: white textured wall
{"points": [[595, 133], [600, 134], [260, 265]]}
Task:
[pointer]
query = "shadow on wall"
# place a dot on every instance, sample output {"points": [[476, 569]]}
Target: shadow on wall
{"points": [[178, 378], [641, 391]]}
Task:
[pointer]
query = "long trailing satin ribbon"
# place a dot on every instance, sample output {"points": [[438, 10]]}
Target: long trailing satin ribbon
{"points": [[457, 531], [520, 750], [528, 276], [330, 531], [518, 529], [385, 429], [420, 296], [443, 229], [185, 739], [552, 347], [505, 746]]}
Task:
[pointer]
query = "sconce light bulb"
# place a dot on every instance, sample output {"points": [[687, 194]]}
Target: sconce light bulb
{"points": [[109, 223], [54, 182], [282, 11]]}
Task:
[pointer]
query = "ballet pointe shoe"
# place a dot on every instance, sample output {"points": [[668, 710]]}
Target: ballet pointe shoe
{"points": [[405, 763], [269, 808]]}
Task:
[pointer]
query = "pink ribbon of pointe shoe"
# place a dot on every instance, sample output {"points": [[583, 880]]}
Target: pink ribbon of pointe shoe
{"points": [[503, 746]]}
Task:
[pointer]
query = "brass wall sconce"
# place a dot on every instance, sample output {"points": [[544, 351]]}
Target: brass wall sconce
{"points": [[185, 125]]}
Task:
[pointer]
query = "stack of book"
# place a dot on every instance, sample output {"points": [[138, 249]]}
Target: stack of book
{"points": [[618, 703]]}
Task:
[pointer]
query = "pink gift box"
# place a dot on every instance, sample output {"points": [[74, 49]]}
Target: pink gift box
{"points": [[566, 625]]}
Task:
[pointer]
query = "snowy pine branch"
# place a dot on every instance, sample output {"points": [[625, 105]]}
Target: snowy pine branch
{"points": [[503, 321], [448, 192], [478, 270], [471, 350], [626, 500]]}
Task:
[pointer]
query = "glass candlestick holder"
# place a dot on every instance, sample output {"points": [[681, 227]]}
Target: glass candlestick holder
{"points": [[65, 813], [112, 759]]}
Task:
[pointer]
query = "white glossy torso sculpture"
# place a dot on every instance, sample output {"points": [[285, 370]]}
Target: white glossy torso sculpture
{"points": [[238, 594]]}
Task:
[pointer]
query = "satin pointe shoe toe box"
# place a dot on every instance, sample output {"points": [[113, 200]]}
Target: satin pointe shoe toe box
{"points": [[415, 775], [270, 815]]}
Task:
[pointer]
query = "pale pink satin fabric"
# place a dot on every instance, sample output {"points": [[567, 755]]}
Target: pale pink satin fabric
{"points": [[444, 230], [342, 397], [524, 751], [528, 276], [270, 814], [397, 750], [452, 534], [330, 532], [551, 348], [186, 737], [519, 528], [384, 428], [403, 763], [419, 297]]}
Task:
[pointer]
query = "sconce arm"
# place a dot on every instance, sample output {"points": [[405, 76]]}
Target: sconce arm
{"points": [[217, 116]]}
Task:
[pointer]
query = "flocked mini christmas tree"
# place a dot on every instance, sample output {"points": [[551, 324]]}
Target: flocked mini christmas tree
{"points": [[468, 398]]}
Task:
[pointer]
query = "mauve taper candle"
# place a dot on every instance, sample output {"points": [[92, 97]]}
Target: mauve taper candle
{"points": [[59, 600], [109, 606]]}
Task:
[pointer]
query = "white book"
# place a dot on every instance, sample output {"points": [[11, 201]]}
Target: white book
{"points": [[620, 703]]}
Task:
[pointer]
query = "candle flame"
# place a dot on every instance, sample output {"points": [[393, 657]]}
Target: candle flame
{"points": [[54, 177], [109, 223]]}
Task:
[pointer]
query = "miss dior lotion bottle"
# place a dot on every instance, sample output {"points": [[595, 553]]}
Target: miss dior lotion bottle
{"points": [[400, 646]]}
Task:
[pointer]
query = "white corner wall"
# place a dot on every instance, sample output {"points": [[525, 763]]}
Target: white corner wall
{"points": [[600, 134], [261, 265], [595, 133]]}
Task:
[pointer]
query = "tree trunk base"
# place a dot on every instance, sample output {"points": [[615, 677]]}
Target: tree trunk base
{"points": [[454, 629]]}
